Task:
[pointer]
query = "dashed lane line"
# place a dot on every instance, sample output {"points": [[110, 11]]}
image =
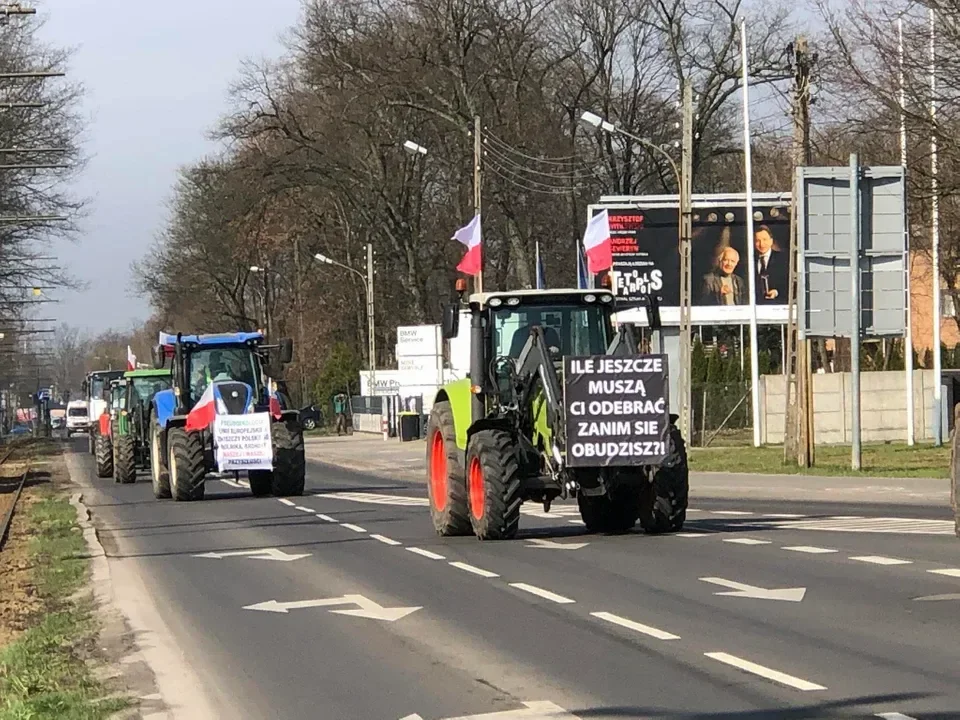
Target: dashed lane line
{"points": [[426, 553], [301, 508], [326, 518], [540, 592], [738, 513], [635, 626], [473, 569], [355, 528], [809, 549], [894, 716], [385, 540], [880, 560], [746, 541], [693, 535], [949, 572], [289, 503], [764, 672]]}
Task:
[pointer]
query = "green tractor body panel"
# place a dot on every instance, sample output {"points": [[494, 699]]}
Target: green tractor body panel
{"points": [[458, 394], [163, 372]]}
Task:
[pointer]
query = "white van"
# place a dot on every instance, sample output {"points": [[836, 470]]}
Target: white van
{"points": [[78, 418]]}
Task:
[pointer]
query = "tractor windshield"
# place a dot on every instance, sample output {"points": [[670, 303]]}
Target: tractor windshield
{"points": [[575, 329], [145, 388], [221, 363], [96, 386]]}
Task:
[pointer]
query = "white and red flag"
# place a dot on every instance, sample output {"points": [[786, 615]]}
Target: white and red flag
{"points": [[470, 235], [131, 359], [596, 243], [275, 408], [204, 412]]}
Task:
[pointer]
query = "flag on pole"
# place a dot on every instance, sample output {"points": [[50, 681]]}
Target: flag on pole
{"points": [[275, 409], [596, 243], [581, 269], [541, 279], [471, 237], [203, 413], [131, 359]]}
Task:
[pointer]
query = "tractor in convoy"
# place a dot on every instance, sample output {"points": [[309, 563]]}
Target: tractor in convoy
{"points": [[96, 384], [103, 424], [131, 421], [223, 412], [558, 404]]}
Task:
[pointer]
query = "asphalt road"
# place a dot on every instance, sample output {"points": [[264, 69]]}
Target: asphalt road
{"points": [[827, 616]]}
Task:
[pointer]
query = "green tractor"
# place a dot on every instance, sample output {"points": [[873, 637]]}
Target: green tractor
{"points": [[112, 400], [559, 404], [130, 423]]}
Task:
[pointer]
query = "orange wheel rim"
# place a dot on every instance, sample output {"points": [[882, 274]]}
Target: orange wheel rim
{"points": [[477, 495], [438, 471]]}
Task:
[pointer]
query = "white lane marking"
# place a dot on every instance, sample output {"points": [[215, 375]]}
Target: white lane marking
{"points": [[540, 592], [244, 483], [289, 503], [326, 517], [894, 716], [638, 627], [301, 508], [355, 528], [880, 560], [746, 541], [375, 498], [261, 554], [784, 516], [385, 540], [949, 572], [810, 549], [473, 569], [764, 672], [426, 553], [750, 591], [692, 535], [856, 524], [730, 512], [231, 483]]}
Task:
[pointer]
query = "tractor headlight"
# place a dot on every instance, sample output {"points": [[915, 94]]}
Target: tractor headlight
{"points": [[513, 301], [495, 302], [606, 298]]}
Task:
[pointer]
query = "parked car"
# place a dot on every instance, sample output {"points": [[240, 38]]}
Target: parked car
{"points": [[311, 417]]}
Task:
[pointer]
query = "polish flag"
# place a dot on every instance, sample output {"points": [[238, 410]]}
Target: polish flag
{"points": [[470, 236], [596, 243], [275, 408], [131, 359], [203, 412]]}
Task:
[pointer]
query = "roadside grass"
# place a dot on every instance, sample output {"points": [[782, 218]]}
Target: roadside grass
{"points": [[894, 460], [45, 672]]}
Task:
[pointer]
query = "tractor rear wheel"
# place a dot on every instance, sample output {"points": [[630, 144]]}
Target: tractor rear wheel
{"points": [[289, 463], [446, 482], [103, 452], [664, 505], [261, 482], [494, 483], [125, 459], [186, 463], [159, 474]]}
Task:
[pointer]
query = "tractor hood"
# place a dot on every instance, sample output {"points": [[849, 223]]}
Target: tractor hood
{"points": [[232, 397]]}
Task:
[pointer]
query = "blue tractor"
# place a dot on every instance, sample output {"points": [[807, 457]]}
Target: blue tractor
{"points": [[220, 374]]}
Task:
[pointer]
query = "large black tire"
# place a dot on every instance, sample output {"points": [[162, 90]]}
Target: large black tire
{"points": [[261, 482], [664, 505], [446, 479], [615, 512], [125, 459], [186, 462], [103, 452], [289, 462], [494, 483], [159, 474]]}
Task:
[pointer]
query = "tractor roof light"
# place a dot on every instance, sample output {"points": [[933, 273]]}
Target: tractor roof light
{"points": [[496, 302], [606, 298], [513, 302], [461, 285], [590, 298]]}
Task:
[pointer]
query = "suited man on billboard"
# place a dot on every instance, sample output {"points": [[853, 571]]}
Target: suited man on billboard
{"points": [[772, 270]]}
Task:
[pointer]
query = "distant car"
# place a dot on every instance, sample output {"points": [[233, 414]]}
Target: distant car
{"points": [[311, 417], [21, 430], [78, 420]]}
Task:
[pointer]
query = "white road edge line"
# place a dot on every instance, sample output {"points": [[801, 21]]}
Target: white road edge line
{"points": [[894, 716], [475, 570], [692, 534], [746, 541], [880, 560], [764, 672], [540, 592], [327, 518], [355, 528], [949, 572], [385, 540], [289, 503], [638, 627], [426, 553], [810, 549], [301, 508]]}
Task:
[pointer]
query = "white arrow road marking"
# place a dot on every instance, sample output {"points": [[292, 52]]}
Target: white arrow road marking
{"points": [[366, 608], [543, 710], [751, 591], [764, 672], [935, 598], [261, 554], [554, 545]]}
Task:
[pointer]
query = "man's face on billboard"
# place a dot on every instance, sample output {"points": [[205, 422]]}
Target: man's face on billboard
{"points": [[762, 241], [728, 261]]}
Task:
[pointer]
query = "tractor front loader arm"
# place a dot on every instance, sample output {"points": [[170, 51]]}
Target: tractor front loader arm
{"points": [[536, 361]]}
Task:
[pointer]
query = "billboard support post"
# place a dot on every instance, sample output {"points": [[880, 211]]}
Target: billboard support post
{"points": [[855, 311], [751, 256], [686, 275]]}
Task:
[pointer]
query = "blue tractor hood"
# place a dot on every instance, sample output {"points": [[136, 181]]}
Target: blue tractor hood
{"points": [[232, 397]]}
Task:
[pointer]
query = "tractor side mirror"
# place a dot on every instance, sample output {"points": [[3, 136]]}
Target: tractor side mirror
{"points": [[286, 350], [450, 325], [158, 356]]}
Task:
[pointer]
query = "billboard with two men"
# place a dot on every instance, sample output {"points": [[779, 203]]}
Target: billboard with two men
{"points": [[646, 255]]}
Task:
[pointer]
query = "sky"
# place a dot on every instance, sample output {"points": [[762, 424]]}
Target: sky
{"points": [[157, 77]]}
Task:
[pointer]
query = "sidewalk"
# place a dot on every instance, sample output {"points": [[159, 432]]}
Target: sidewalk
{"points": [[391, 459]]}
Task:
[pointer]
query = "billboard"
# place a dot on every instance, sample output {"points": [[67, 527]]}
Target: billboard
{"points": [[646, 256]]}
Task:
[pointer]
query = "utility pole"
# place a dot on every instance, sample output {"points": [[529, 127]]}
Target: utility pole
{"points": [[477, 179], [798, 429], [299, 300], [371, 322], [686, 232], [935, 241]]}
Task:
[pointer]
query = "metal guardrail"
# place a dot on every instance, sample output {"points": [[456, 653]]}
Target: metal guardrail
{"points": [[16, 498]]}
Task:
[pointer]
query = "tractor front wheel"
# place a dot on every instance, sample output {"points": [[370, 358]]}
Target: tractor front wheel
{"points": [[159, 475], [446, 486], [614, 512], [103, 452], [125, 459], [664, 505], [186, 463], [494, 484], [289, 462], [261, 482]]}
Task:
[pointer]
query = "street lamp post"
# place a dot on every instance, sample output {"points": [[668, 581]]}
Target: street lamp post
{"points": [[685, 231], [371, 317]]}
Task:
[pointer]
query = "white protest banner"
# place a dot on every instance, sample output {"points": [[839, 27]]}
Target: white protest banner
{"points": [[243, 442]]}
